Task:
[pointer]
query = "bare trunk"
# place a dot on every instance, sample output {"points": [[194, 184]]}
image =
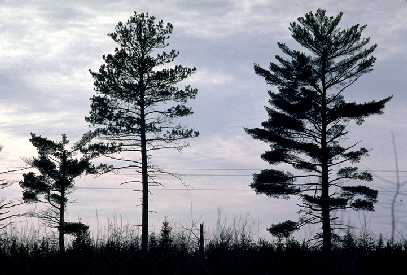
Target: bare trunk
{"points": [[61, 226], [144, 170], [62, 209], [143, 141], [326, 219], [201, 241], [144, 174], [394, 200]]}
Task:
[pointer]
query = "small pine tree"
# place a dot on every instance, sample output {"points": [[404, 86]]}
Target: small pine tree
{"points": [[82, 242], [348, 240], [153, 242], [380, 242], [283, 230], [57, 170], [166, 235]]}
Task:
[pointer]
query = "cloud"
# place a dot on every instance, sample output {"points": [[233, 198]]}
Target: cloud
{"points": [[207, 78]]}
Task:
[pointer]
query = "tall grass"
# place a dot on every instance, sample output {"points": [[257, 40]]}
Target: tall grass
{"points": [[230, 249]]}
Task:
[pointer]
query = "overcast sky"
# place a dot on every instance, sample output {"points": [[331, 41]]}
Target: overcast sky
{"points": [[47, 48]]}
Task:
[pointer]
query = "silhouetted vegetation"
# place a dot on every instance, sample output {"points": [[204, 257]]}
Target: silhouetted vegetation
{"points": [[138, 101], [58, 168], [230, 251], [308, 122], [136, 110]]}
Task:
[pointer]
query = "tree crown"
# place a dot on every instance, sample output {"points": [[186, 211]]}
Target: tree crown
{"points": [[308, 116], [137, 83], [57, 166]]}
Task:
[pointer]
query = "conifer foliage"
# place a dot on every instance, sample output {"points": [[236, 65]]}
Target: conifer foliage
{"points": [[58, 167], [138, 101], [309, 118]]}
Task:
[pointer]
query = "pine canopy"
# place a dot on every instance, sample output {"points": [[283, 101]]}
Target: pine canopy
{"points": [[137, 90], [57, 168]]}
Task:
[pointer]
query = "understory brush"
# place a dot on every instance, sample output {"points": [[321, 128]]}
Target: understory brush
{"points": [[228, 251]]}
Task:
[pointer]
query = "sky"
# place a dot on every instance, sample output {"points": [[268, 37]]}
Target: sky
{"points": [[48, 47]]}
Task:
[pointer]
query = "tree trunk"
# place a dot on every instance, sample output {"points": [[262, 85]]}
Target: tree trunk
{"points": [[201, 241], [326, 219], [62, 209], [325, 207], [397, 192], [61, 225], [144, 173], [63, 186]]}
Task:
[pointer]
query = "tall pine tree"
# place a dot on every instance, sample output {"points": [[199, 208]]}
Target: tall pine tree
{"points": [[308, 121], [57, 170], [138, 101]]}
